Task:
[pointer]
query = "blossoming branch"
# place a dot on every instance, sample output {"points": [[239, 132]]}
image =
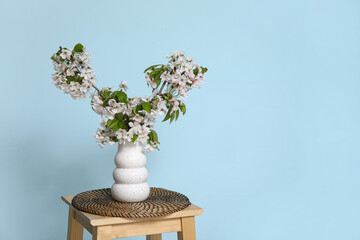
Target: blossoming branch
{"points": [[126, 118]]}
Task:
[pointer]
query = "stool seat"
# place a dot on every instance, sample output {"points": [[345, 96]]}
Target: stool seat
{"points": [[106, 228]]}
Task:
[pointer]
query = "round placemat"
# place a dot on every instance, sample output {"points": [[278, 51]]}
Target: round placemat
{"points": [[160, 202]]}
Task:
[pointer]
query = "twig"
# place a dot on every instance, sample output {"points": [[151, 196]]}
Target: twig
{"points": [[98, 91], [162, 87]]}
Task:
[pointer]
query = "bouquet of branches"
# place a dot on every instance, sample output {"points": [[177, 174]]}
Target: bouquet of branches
{"points": [[126, 118]]}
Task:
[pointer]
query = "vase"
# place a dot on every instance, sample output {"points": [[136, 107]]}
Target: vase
{"points": [[130, 174]]}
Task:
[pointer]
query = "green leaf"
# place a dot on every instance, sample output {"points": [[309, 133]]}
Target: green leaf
{"points": [[167, 115], [121, 96], [106, 93], [153, 136], [135, 110], [108, 123], [113, 124], [74, 79], [79, 48], [53, 57], [177, 115], [123, 125], [203, 70], [172, 117], [169, 95], [158, 80], [155, 72], [146, 106], [119, 116], [183, 108], [116, 127], [153, 66], [134, 138]]}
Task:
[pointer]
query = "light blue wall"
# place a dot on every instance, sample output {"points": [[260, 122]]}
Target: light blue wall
{"points": [[270, 146]]}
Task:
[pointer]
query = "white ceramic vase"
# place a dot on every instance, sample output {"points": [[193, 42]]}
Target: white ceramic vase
{"points": [[130, 174]]}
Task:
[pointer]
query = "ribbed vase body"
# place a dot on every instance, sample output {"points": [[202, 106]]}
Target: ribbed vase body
{"points": [[130, 174]]}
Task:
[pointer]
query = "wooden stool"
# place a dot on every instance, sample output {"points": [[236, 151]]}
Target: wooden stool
{"points": [[107, 228]]}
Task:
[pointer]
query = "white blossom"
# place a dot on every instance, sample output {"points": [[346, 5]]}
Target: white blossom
{"points": [[73, 73], [134, 118], [148, 148], [65, 54], [150, 81], [124, 85], [175, 104]]}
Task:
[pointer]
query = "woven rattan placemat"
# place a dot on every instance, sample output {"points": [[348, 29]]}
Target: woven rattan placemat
{"points": [[160, 202]]}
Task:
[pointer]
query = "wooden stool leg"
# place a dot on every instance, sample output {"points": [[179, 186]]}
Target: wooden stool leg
{"points": [[187, 229], [101, 233], [180, 235], [153, 237], [75, 229]]}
